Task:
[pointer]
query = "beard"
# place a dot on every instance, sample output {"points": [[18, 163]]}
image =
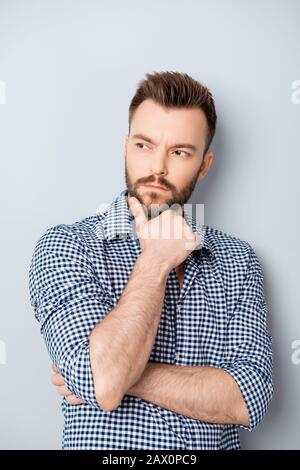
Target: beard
{"points": [[152, 200]]}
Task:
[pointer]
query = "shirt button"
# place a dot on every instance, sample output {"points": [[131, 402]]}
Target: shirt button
{"points": [[177, 355]]}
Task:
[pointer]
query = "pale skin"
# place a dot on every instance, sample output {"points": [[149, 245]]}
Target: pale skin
{"points": [[120, 367]]}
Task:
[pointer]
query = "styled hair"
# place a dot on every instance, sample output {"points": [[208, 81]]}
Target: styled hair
{"points": [[176, 90]]}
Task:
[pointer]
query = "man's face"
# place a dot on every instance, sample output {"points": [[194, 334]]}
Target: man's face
{"points": [[157, 152]]}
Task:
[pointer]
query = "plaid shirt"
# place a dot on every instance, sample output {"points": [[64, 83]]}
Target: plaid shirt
{"points": [[218, 319]]}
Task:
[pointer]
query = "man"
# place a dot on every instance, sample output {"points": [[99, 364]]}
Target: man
{"points": [[157, 342]]}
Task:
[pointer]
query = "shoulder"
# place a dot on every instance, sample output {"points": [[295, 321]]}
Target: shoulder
{"points": [[79, 236], [229, 249], [221, 242], [233, 261]]}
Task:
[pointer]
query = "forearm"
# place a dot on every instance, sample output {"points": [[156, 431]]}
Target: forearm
{"points": [[202, 393], [120, 345]]}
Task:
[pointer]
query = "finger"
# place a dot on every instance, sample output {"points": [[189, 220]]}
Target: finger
{"points": [[54, 368], [195, 242], [199, 239], [190, 235], [74, 400], [137, 211], [178, 209], [63, 390], [57, 379]]}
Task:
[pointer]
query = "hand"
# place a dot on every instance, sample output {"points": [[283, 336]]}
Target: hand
{"points": [[167, 237], [58, 381]]}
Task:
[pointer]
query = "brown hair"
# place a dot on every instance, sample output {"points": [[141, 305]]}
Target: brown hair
{"points": [[176, 90]]}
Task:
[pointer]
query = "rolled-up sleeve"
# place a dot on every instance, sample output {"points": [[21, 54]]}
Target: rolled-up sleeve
{"points": [[249, 357], [68, 301]]}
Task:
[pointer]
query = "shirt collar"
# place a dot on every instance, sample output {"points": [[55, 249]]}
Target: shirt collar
{"points": [[118, 221]]}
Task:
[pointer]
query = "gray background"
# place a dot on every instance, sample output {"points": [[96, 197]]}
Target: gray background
{"points": [[70, 69]]}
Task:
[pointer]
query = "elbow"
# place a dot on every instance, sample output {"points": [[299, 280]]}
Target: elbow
{"points": [[107, 403], [107, 400], [107, 394]]}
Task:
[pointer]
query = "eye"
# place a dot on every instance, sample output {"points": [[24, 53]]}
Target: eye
{"points": [[182, 151], [139, 143], [187, 154]]}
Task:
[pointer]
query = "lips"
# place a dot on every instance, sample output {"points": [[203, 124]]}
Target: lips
{"points": [[155, 186]]}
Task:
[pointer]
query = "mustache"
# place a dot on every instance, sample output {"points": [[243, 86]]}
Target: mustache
{"points": [[159, 182]]}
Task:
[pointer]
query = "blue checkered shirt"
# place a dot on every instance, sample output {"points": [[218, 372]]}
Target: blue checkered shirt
{"points": [[218, 318]]}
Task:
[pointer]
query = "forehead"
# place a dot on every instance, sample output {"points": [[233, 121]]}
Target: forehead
{"points": [[150, 117]]}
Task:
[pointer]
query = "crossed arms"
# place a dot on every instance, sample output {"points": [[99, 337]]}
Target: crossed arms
{"points": [[100, 365]]}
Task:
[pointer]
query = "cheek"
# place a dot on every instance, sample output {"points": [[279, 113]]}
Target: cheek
{"points": [[183, 172], [137, 165]]}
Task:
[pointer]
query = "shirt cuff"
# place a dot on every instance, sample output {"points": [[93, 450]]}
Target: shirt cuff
{"points": [[256, 391]]}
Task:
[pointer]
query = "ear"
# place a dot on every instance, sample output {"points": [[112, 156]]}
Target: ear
{"points": [[205, 165]]}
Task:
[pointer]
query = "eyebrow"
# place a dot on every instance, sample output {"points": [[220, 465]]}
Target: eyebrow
{"points": [[147, 139]]}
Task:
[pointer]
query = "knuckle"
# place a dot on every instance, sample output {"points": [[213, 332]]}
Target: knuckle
{"points": [[54, 379], [71, 399]]}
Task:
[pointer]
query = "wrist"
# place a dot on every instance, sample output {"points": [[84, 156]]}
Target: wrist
{"points": [[156, 263]]}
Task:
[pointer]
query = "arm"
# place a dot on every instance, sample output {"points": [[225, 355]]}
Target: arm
{"points": [[86, 337], [99, 350], [241, 389], [68, 300], [122, 343], [117, 362], [204, 393], [249, 357]]}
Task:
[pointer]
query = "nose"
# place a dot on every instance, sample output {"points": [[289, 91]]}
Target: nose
{"points": [[158, 163]]}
